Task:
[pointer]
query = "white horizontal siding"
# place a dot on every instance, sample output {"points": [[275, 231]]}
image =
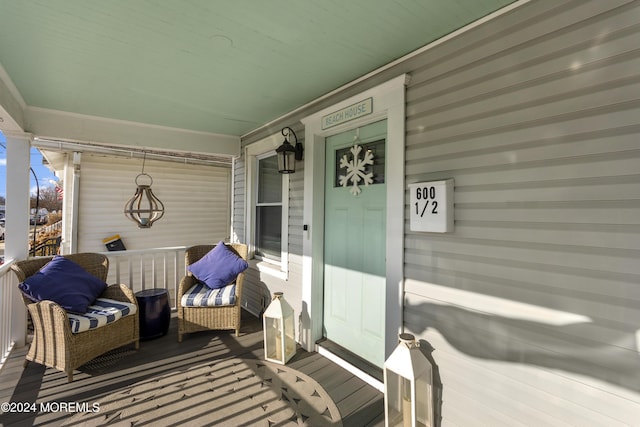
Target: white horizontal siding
{"points": [[239, 194], [196, 200], [532, 303]]}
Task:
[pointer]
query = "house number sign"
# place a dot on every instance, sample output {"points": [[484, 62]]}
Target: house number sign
{"points": [[431, 206]]}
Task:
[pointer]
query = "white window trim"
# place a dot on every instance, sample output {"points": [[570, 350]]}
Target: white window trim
{"points": [[253, 152]]}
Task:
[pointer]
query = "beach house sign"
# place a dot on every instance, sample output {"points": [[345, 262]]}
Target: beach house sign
{"points": [[352, 112]]}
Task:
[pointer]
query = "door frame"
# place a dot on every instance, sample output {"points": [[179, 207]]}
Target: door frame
{"points": [[388, 103]]}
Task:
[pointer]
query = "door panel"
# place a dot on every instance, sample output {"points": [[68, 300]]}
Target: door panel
{"points": [[374, 267], [335, 297], [355, 236]]}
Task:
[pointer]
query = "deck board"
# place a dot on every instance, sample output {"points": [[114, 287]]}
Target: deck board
{"points": [[358, 403]]}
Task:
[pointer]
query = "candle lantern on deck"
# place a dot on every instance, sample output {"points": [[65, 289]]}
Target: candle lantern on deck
{"points": [[279, 330], [408, 383]]}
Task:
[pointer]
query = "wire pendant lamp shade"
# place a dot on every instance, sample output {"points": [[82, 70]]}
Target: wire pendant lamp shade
{"points": [[144, 208]]}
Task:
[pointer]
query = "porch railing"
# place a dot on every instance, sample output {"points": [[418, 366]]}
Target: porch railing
{"points": [[8, 288], [139, 269], [47, 247], [148, 268]]}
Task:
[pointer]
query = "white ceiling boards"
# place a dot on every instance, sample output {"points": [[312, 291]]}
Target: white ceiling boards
{"points": [[217, 67]]}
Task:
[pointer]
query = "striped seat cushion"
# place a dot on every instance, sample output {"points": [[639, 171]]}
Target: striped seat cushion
{"points": [[100, 313], [200, 295]]}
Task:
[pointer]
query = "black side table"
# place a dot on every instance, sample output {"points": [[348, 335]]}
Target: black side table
{"points": [[154, 312]]}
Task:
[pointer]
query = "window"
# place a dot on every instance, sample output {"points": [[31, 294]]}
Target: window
{"points": [[268, 210]]}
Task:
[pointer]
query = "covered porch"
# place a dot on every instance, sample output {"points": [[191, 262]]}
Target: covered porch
{"points": [[231, 387], [525, 112], [166, 381]]}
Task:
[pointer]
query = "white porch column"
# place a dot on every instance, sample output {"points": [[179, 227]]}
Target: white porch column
{"points": [[17, 204], [17, 219]]}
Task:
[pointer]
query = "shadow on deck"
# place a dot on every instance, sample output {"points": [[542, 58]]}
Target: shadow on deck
{"points": [[358, 403]]}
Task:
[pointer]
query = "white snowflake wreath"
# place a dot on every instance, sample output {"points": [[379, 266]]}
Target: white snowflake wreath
{"points": [[356, 169]]}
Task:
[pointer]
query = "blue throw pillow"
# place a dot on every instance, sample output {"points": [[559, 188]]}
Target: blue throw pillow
{"points": [[219, 267], [64, 282]]}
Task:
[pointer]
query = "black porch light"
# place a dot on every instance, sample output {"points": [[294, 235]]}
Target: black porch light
{"points": [[287, 153], [144, 208]]}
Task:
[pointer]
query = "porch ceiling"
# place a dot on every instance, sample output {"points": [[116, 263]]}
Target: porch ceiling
{"points": [[223, 67]]}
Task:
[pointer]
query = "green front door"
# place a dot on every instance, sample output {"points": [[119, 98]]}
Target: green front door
{"points": [[354, 244]]}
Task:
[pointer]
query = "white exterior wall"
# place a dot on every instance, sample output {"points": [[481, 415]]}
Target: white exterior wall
{"points": [[196, 200], [532, 303]]}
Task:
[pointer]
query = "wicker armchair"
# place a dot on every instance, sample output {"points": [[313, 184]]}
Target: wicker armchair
{"points": [[54, 345], [194, 319]]}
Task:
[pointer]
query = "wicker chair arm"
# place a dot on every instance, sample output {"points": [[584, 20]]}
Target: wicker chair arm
{"points": [[51, 317], [29, 267], [119, 292], [185, 284], [239, 282]]}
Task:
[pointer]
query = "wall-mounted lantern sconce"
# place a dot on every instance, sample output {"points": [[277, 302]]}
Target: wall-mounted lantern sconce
{"points": [[144, 208], [287, 153]]}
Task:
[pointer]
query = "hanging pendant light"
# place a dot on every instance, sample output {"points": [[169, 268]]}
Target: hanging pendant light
{"points": [[144, 208]]}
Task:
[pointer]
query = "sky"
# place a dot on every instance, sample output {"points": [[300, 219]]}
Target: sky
{"points": [[44, 175]]}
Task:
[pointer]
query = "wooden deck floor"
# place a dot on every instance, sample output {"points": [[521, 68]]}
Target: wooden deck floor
{"points": [[359, 403]]}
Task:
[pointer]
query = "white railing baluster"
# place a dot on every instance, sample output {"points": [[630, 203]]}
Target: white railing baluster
{"points": [[165, 270], [117, 263], [8, 287], [143, 277], [153, 271], [130, 268], [148, 267], [4, 307], [176, 273]]}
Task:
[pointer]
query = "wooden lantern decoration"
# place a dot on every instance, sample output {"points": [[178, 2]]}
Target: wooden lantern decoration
{"points": [[408, 383], [144, 208], [279, 330]]}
